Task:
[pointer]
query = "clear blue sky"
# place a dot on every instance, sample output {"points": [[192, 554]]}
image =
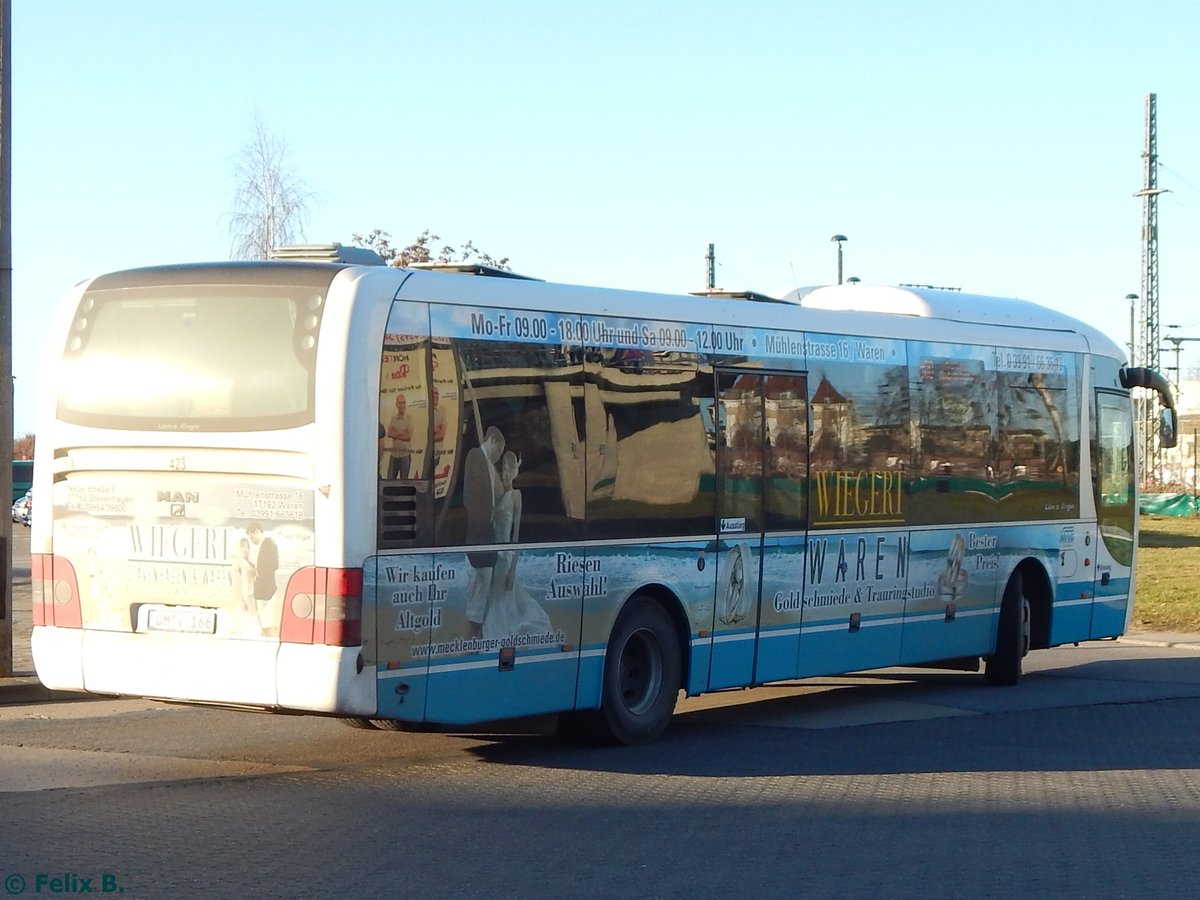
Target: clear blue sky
{"points": [[993, 146]]}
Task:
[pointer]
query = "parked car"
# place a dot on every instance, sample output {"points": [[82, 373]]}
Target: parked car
{"points": [[22, 508]]}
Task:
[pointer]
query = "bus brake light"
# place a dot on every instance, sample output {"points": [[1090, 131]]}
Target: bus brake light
{"points": [[55, 591], [323, 606]]}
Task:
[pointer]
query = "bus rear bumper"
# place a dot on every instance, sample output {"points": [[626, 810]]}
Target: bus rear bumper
{"points": [[206, 669], [57, 654], [320, 678]]}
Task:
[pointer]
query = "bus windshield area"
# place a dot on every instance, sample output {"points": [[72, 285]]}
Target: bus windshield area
{"points": [[192, 358]]}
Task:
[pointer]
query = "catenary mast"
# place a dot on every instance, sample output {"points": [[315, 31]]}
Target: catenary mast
{"points": [[1146, 353]]}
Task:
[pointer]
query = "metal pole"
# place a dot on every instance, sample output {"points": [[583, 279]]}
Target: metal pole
{"points": [[6, 382], [1133, 299], [1147, 354], [839, 239]]}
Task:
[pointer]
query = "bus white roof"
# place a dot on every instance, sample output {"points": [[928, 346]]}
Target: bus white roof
{"points": [[950, 306], [853, 308], [935, 304]]}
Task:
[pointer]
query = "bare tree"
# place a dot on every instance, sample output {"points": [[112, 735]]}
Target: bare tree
{"points": [[424, 249], [270, 205]]}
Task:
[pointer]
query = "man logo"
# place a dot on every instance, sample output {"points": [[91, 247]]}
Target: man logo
{"points": [[178, 499]]}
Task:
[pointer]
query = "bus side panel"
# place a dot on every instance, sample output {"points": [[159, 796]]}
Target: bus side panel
{"points": [[950, 610], [1071, 621], [1114, 589], [853, 602], [399, 642], [1071, 615], [685, 570], [526, 660], [834, 644], [782, 604], [1109, 612], [735, 631], [465, 691]]}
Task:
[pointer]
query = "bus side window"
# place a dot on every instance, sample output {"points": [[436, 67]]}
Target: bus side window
{"points": [[955, 408], [407, 456], [650, 469], [784, 494], [1113, 454], [860, 445], [512, 424], [1037, 459]]}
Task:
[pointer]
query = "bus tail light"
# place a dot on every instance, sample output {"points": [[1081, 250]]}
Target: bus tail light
{"points": [[55, 591], [323, 606]]}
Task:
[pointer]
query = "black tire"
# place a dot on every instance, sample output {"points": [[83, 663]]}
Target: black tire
{"points": [[390, 725], [1012, 636], [353, 722], [643, 672]]}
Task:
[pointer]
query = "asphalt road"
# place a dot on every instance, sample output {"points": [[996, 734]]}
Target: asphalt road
{"points": [[1083, 781]]}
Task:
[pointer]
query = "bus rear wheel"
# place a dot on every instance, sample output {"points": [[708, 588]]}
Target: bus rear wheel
{"points": [[642, 677], [1012, 635]]}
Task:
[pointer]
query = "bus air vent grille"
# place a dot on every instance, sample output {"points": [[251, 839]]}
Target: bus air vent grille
{"points": [[400, 514]]}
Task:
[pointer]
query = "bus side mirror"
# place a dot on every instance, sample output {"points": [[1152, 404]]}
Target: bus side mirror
{"points": [[1168, 429]]}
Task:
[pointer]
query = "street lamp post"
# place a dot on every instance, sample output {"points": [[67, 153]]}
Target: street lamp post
{"points": [[839, 239], [1133, 299]]}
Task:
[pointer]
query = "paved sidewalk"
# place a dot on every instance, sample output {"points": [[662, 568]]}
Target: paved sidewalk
{"points": [[18, 689], [1176, 640]]}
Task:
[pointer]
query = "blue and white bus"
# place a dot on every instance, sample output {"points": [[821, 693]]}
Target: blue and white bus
{"points": [[416, 498]]}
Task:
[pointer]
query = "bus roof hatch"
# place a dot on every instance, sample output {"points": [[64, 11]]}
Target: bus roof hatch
{"points": [[469, 268], [333, 253]]}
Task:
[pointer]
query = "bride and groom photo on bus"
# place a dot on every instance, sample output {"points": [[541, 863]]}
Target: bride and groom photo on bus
{"points": [[252, 572], [497, 605]]}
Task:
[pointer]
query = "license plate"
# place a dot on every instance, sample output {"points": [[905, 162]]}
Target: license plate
{"points": [[181, 619]]}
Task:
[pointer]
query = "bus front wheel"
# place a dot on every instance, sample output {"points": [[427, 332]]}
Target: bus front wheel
{"points": [[1012, 635], [357, 722], [642, 676]]}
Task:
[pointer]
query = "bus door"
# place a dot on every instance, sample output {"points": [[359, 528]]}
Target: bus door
{"points": [[1116, 499], [762, 464]]}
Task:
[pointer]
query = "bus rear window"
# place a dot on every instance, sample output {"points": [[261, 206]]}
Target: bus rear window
{"points": [[192, 358]]}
